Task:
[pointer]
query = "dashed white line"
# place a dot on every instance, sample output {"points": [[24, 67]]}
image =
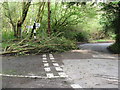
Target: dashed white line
{"points": [[62, 74], [47, 69], [58, 69], [44, 56], [49, 75], [46, 64], [50, 55], [44, 61], [52, 58], [53, 61], [75, 86], [55, 64]]}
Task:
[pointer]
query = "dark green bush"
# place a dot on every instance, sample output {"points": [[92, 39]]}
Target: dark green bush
{"points": [[115, 48], [81, 37]]}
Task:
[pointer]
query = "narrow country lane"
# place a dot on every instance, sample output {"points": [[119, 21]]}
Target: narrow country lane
{"points": [[99, 47], [93, 66], [90, 67], [34, 71]]}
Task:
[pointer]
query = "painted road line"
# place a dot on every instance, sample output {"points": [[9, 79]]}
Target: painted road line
{"points": [[44, 61], [52, 58], [47, 69], [50, 75], [46, 64], [75, 86], [55, 64], [44, 55], [44, 58], [53, 61], [58, 69], [21, 76], [103, 56], [62, 74], [28, 76], [50, 55]]}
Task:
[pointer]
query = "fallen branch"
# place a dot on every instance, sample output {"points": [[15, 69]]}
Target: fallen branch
{"points": [[30, 49]]}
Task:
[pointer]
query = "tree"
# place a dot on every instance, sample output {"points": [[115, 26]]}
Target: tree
{"points": [[16, 24], [111, 16], [71, 14], [112, 19], [49, 31], [25, 9], [39, 16]]}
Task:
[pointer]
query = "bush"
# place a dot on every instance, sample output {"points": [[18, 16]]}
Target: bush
{"points": [[7, 35], [73, 33], [115, 48], [81, 37]]}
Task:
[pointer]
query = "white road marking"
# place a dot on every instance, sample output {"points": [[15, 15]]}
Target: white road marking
{"points": [[52, 58], [21, 76], [62, 74], [58, 69], [45, 61], [27, 76], [47, 69], [112, 80], [44, 55], [50, 55], [49, 75], [55, 64], [75, 86], [46, 64], [53, 61], [102, 56], [44, 58]]}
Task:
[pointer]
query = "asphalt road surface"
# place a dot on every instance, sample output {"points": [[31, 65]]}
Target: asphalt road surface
{"points": [[93, 66]]}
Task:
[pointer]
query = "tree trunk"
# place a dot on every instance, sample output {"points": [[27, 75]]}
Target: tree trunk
{"points": [[49, 18], [19, 26], [14, 29], [26, 6]]}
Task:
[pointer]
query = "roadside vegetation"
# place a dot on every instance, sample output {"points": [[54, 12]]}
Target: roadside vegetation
{"points": [[111, 20], [62, 25]]}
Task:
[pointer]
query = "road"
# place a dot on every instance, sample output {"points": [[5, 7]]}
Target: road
{"points": [[90, 67]]}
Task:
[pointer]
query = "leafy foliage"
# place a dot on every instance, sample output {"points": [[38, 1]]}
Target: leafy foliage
{"points": [[74, 21], [112, 19]]}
